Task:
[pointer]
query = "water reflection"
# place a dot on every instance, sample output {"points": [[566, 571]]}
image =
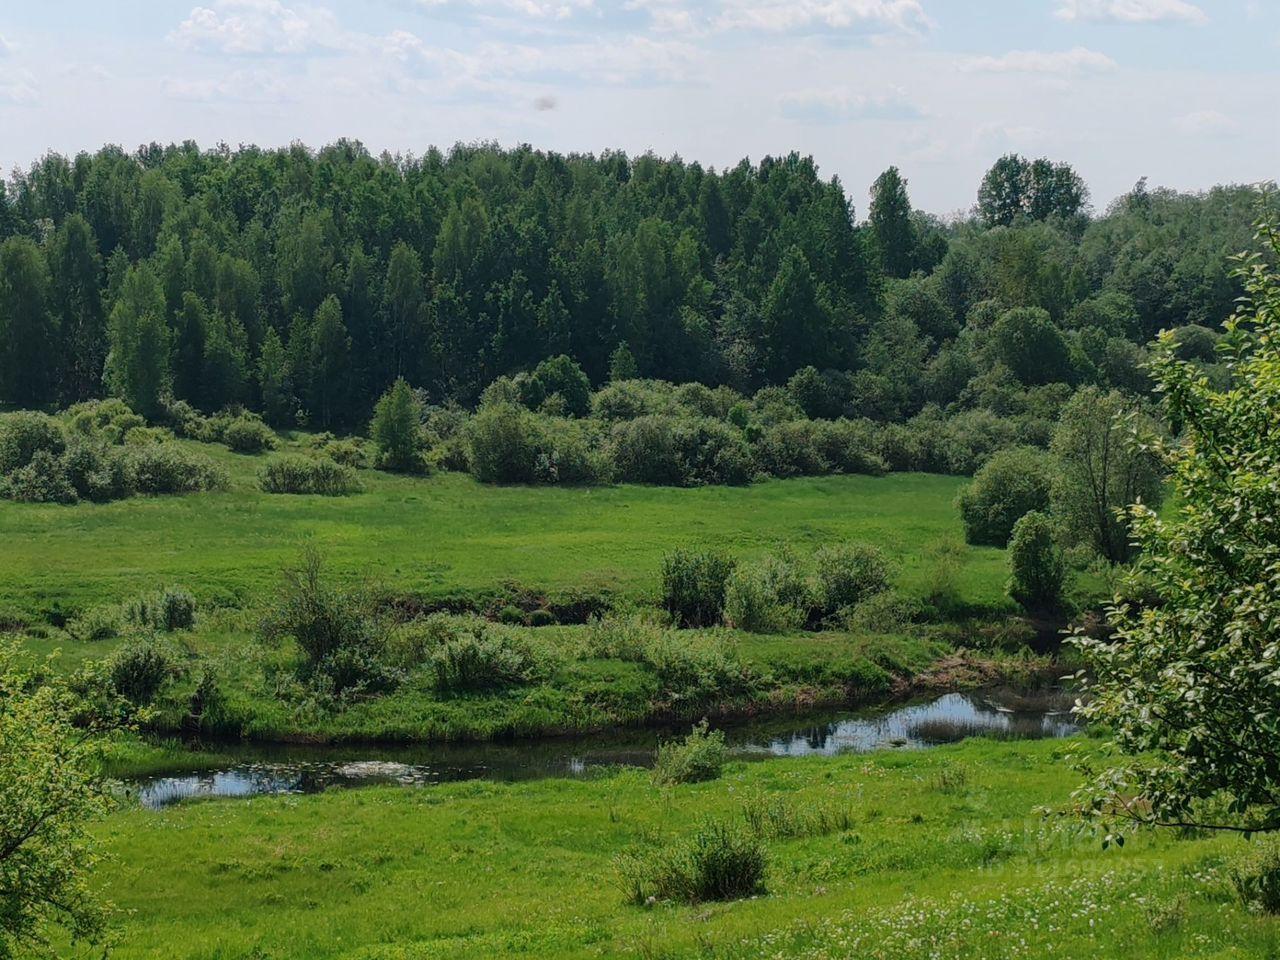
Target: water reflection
{"points": [[946, 719]]}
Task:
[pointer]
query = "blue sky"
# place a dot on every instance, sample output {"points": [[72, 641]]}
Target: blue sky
{"points": [[1180, 91]]}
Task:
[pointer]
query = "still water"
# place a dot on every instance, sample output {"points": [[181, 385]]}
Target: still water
{"points": [[260, 769]]}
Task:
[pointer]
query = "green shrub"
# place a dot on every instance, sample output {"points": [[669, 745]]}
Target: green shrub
{"points": [[693, 586], [542, 618], [1010, 485], [622, 636], [481, 656], [569, 452], [561, 376], [848, 574], [848, 446], [143, 435], [769, 595], [694, 672], [944, 559], [335, 630], [96, 624], [107, 421], [719, 861], [139, 669], [503, 441], [1036, 565], [1256, 875], [304, 475], [631, 398], [26, 433], [167, 468], [349, 453], [172, 609], [761, 598], [98, 473], [248, 434], [645, 450], [886, 612], [43, 479], [396, 430], [409, 645], [791, 449], [712, 452], [511, 615], [697, 757]]}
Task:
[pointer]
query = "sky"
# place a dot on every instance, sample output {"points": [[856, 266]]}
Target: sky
{"points": [[1182, 92]]}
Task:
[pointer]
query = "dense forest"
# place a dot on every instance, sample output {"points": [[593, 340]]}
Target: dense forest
{"points": [[302, 284]]}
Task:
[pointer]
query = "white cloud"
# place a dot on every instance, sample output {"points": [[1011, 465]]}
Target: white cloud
{"points": [[1131, 11], [17, 86], [669, 16], [634, 60], [839, 105], [239, 86], [537, 9], [1205, 123], [903, 16], [260, 27], [544, 103], [1075, 60], [6, 47]]}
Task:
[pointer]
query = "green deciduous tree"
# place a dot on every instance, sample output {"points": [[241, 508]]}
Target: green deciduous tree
{"points": [[1188, 683], [49, 793], [1103, 466], [1037, 569], [329, 362], [622, 363], [397, 429], [1015, 187], [1010, 485], [405, 306], [76, 297], [1034, 350], [28, 329], [273, 380], [796, 319], [890, 219], [138, 362]]}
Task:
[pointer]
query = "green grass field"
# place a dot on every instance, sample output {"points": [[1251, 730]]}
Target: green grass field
{"points": [[448, 534], [943, 854]]}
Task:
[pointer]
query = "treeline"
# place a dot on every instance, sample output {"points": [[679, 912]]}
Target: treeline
{"points": [[302, 284]]}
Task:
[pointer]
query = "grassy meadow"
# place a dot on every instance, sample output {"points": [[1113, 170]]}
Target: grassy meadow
{"points": [[448, 535], [937, 853]]}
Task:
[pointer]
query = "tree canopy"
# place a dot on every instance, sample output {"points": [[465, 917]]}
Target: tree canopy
{"points": [[1188, 683], [302, 283]]}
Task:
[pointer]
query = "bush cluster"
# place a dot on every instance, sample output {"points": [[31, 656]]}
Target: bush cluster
{"points": [[1010, 485], [506, 443], [483, 656], [655, 432], [720, 860], [247, 433], [693, 671], [139, 668], [779, 592], [693, 586], [697, 757], [171, 609], [39, 464], [348, 451], [1256, 875], [336, 629], [308, 475]]}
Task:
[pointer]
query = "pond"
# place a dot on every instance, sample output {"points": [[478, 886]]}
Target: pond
{"points": [[273, 769]]}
